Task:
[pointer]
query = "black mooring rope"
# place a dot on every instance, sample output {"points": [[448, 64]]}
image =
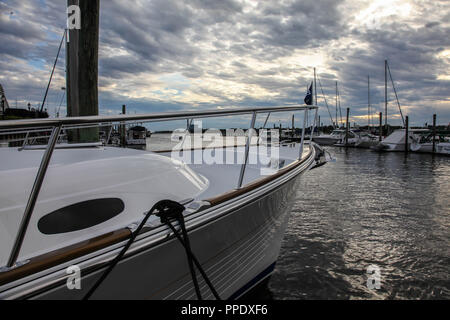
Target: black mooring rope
{"points": [[166, 210], [187, 247]]}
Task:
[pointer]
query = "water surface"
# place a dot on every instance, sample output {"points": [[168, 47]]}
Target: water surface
{"points": [[368, 208]]}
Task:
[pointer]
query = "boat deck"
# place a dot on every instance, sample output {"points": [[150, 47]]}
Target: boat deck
{"points": [[134, 179]]}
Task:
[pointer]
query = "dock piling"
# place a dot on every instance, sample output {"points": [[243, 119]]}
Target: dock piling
{"points": [[381, 127], [434, 133], [347, 128], [407, 134], [122, 128]]}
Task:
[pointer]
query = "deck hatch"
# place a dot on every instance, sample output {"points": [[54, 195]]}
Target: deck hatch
{"points": [[80, 215]]}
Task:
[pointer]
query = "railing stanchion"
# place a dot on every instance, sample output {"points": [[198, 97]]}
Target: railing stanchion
{"points": [[33, 196], [247, 148], [302, 140], [25, 141], [265, 122], [313, 127]]}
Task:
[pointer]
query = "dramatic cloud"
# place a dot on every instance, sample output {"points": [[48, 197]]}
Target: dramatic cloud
{"points": [[160, 55]]}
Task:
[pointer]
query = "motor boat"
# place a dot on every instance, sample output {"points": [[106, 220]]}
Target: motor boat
{"points": [[366, 140], [135, 223], [348, 140], [425, 144], [356, 138], [136, 135], [330, 139]]}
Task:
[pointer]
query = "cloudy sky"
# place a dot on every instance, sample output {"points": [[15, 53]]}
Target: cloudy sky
{"points": [[161, 55]]}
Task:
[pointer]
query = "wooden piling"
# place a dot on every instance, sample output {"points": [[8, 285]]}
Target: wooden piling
{"points": [[346, 127], [293, 126], [82, 69], [381, 127], [406, 134], [122, 128], [434, 133]]}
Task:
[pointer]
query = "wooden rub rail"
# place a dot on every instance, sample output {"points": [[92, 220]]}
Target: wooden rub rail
{"points": [[65, 254]]}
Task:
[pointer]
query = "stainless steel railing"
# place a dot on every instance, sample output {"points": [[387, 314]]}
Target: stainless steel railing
{"points": [[56, 125]]}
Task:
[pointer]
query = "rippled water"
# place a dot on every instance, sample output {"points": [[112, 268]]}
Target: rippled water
{"points": [[367, 208]]}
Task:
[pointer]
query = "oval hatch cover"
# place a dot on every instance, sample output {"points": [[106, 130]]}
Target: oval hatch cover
{"points": [[80, 215]]}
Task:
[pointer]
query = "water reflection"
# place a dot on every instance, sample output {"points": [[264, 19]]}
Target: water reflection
{"points": [[387, 209]]}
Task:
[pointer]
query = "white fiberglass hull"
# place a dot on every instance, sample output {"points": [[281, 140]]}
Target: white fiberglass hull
{"points": [[326, 140], [136, 141], [440, 148], [242, 247]]}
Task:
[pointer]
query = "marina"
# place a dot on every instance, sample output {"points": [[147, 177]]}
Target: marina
{"points": [[224, 151]]}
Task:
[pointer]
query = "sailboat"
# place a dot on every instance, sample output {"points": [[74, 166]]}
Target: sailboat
{"points": [[396, 140]]}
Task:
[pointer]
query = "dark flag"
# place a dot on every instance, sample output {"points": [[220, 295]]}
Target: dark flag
{"points": [[308, 98]]}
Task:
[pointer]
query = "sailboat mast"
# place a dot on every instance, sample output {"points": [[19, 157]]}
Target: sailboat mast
{"points": [[337, 126], [339, 102], [385, 95], [368, 102], [315, 87]]}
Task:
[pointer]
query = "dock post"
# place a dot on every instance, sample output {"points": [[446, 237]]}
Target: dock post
{"points": [[293, 127], [406, 133], [434, 133], [122, 128], [318, 126], [381, 127], [347, 128]]}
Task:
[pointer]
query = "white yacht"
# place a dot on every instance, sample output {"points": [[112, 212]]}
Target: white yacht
{"points": [[425, 144], [366, 140], [136, 135], [136, 224]]}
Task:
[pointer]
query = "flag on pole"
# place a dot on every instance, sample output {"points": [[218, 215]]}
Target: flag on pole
{"points": [[308, 98]]}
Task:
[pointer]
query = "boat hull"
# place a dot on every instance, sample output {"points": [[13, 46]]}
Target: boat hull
{"points": [[367, 144], [440, 148], [326, 141], [237, 247]]}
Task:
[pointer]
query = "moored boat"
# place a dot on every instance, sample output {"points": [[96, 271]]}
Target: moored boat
{"points": [[396, 140], [100, 202], [425, 145], [136, 135], [330, 139]]}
